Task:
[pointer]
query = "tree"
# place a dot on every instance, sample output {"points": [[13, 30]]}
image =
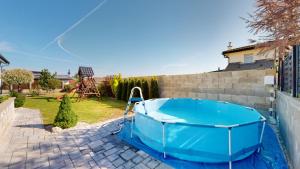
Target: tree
{"points": [[129, 87], [17, 77], [278, 21], [114, 83], [137, 83], [124, 90], [54, 83], [65, 117], [154, 92], [145, 89], [47, 80], [119, 91]]}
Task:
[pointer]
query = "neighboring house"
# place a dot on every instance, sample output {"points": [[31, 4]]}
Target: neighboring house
{"points": [[3, 62], [65, 79], [248, 57]]}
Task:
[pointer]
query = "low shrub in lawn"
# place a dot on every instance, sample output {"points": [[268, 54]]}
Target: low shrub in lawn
{"points": [[34, 92], [65, 117], [20, 98]]}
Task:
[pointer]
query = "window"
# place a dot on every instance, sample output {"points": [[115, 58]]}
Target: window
{"points": [[248, 58]]}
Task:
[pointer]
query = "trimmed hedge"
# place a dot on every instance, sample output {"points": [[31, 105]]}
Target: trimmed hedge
{"points": [[149, 91], [65, 117]]}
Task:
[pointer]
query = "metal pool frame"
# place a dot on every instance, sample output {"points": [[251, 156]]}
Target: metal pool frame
{"points": [[229, 127]]}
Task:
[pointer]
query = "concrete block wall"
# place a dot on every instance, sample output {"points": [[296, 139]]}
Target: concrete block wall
{"points": [[7, 114], [288, 112], [242, 87]]}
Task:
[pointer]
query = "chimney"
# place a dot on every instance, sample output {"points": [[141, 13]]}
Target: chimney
{"points": [[229, 46]]}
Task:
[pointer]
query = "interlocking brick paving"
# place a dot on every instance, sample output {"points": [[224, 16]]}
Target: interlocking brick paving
{"points": [[32, 147]]}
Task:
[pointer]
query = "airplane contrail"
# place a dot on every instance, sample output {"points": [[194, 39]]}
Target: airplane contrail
{"points": [[74, 25], [60, 45]]}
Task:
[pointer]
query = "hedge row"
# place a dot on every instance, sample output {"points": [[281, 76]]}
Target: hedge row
{"points": [[149, 91]]}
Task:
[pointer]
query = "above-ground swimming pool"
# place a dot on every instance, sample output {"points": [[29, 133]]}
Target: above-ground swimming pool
{"points": [[198, 130]]}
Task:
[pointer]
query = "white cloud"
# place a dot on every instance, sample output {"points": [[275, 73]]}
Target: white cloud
{"points": [[6, 46]]}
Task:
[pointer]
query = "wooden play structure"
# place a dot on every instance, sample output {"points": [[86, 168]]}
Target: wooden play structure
{"points": [[87, 84]]}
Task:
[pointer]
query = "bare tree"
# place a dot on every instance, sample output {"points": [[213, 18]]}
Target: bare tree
{"points": [[278, 22]]}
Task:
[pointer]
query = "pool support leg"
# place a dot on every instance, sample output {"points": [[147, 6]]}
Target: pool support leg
{"points": [[163, 138], [261, 136], [229, 147], [131, 126]]}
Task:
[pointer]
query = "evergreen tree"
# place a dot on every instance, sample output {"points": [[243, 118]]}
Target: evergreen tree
{"points": [[138, 83], [66, 117], [145, 89], [119, 90], [129, 87], [154, 92], [124, 90]]}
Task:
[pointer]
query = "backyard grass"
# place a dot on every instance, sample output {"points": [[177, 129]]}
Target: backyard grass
{"points": [[88, 110]]}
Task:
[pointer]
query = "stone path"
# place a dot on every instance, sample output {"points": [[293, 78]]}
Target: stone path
{"points": [[31, 146]]}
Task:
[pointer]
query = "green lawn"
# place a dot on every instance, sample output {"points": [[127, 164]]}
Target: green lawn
{"points": [[88, 110]]}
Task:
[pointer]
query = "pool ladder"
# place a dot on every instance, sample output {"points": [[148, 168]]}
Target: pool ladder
{"points": [[131, 101]]}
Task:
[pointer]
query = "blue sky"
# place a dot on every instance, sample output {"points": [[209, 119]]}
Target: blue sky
{"points": [[132, 37]]}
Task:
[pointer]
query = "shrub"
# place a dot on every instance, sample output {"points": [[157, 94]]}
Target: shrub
{"points": [[65, 117], [67, 88], [119, 91], [145, 89], [3, 98], [154, 91], [105, 89], [34, 92], [114, 83], [54, 84], [20, 98], [124, 90]]}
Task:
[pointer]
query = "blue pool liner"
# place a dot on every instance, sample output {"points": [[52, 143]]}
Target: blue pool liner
{"points": [[270, 156]]}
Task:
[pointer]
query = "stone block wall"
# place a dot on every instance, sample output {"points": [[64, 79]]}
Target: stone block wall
{"points": [[242, 87], [7, 114], [288, 112]]}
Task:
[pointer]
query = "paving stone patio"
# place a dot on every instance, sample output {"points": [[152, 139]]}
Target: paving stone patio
{"points": [[31, 146]]}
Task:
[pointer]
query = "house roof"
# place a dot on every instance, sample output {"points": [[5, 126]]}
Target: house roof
{"points": [[37, 75], [239, 49], [85, 71], [3, 59], [258, 64]]}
